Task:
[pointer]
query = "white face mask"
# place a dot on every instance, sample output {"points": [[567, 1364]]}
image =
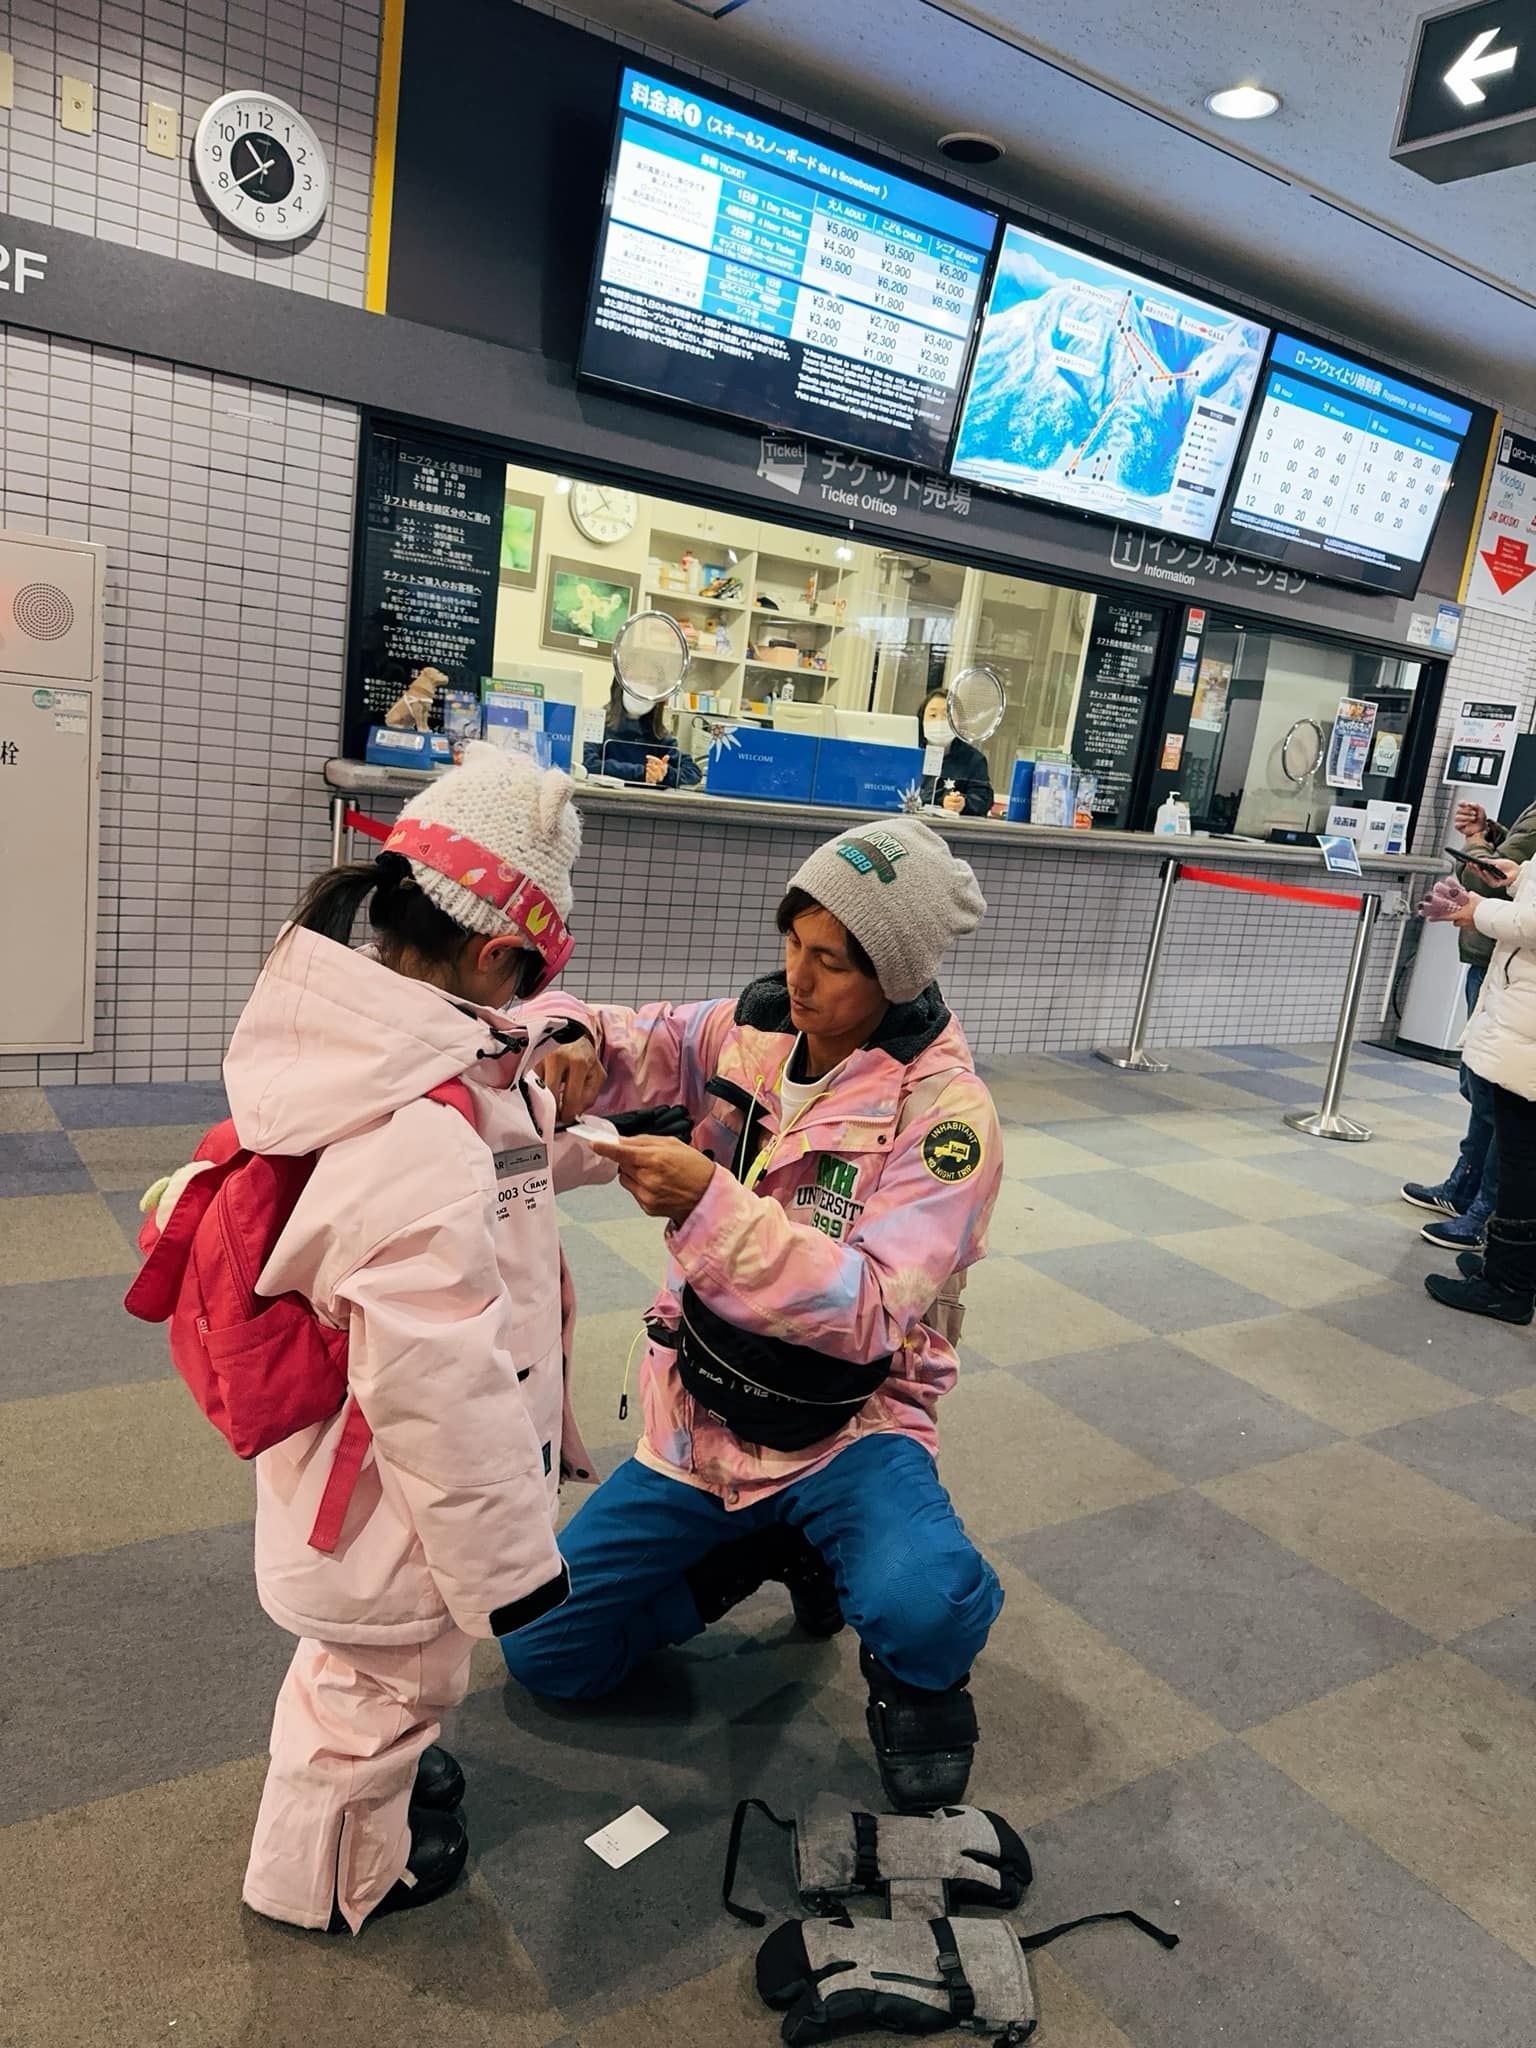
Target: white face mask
{"points": [[636, 706], [937, 730]]}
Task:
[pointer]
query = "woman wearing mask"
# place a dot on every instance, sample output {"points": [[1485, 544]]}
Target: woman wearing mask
{"points": [[637, 747], [963, 784]]}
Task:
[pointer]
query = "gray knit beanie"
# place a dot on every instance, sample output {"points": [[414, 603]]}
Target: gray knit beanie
{"points": [[901, 892]]}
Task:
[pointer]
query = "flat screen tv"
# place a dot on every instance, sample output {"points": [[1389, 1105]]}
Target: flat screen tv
{"points": [[1345, 469], [751, 269], [1104, 390]]}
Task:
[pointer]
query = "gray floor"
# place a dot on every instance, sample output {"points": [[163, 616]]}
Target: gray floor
{"points": [[1263, 1513]]}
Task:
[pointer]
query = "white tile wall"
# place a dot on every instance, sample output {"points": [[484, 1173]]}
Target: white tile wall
{"points": [[226, 507], [227, 511], [1495, 657], [320, 54]]}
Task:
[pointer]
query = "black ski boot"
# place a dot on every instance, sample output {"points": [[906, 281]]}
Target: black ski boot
{"points": [[439, 1849], [924, 1741], [439, 1785], [733, 1572]]}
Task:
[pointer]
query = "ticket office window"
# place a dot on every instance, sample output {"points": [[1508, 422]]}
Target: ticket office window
{"points": [[1262, 715], [808, 617], [784, 624]]}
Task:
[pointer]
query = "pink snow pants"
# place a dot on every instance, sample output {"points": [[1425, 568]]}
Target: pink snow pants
{"points": [[351, 1721]]}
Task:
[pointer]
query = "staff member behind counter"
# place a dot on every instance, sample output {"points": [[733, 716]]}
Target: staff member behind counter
{"points": [[637, 747], [844, 1165], [964, 783]]}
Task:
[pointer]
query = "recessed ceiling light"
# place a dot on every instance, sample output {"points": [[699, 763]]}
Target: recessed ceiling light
{"points": [[965, 146], [1243, 102]]}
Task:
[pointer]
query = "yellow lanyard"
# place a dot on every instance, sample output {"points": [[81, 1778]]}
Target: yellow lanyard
{"points": [[765, 1158]]}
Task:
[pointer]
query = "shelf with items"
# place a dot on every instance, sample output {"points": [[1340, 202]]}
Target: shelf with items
{"points": [[694, 568], [783, 668], [656, 594]]}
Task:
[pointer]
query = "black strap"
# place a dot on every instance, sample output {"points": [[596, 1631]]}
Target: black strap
{"points": [[1047, 1934], [733, 1856], [866, 1852], [962, 1999]]}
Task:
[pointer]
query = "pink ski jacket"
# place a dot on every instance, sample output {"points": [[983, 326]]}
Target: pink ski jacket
{"points": [[855, 1216], [435, 1245]]}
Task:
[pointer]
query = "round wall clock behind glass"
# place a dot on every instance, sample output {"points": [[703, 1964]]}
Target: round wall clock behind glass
{"points": [[262, 167]]}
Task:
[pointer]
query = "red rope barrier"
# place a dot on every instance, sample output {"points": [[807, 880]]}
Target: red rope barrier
{"points": [[1215, 879], [369, 827]]}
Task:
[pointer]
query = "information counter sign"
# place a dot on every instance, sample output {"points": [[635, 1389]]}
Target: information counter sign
{"points": [[1469, 105]]}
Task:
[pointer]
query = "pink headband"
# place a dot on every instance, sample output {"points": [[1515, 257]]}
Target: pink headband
{"points": [[494, 881]]}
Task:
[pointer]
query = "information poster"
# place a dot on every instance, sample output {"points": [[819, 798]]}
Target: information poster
{"points": [[431, 559], [1503, 574], [1112, 703], [748, 269], [1349, 745], [1212, 688], [1481, 740]]}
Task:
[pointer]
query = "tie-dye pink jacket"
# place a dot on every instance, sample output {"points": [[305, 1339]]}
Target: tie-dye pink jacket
{"points": [[850, 1232]]}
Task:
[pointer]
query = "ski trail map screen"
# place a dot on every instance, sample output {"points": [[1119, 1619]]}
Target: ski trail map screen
{"points": [[747, 269], [1105, 392], [1345, 471]]}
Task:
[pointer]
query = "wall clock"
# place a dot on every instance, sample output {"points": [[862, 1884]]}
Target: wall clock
{"points": [[603, 513], [262, 167]]}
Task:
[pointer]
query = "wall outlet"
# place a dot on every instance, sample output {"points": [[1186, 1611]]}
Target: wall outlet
{"points": [[77, 105], [159, 128], [7, 79]]}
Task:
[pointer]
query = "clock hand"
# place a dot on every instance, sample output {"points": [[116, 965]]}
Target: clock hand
{"points": [[261, 164]]}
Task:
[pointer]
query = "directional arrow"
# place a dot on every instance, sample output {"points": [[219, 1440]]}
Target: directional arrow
{"points": [[1478, 61], [1508, 564]]}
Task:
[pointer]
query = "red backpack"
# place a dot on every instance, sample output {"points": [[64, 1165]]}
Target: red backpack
{"points": [[260, 1367]]}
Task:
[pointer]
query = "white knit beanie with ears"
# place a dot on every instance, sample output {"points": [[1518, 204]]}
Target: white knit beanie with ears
{"points": [[522, 814]]}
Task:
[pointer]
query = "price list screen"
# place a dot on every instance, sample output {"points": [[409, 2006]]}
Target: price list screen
{"points": [[748, 269], [1345, 471]]}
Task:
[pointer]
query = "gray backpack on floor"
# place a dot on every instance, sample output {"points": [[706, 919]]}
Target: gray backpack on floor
{"points": [[921, 1969]]}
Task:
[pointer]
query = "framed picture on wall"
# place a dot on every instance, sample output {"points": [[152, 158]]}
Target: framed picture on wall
{"points": [[520, 524], [585, 607]]}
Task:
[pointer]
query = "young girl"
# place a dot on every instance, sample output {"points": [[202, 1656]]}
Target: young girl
{"points": [[433, 1243]]}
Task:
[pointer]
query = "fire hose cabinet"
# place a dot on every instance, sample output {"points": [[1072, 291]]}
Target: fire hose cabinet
{"points": [[51, 593]]}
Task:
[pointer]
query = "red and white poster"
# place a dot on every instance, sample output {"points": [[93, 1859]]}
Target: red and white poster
{"points": [[1503, 573]]}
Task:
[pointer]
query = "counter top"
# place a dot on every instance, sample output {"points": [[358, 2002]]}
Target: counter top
{"points": [[358, 778]]}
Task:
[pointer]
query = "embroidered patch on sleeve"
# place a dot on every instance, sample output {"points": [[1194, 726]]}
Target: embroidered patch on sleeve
{"points": [[952, 1150]]}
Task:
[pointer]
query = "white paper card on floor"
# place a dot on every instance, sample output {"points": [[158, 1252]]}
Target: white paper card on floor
{"points": [[627, 1837]]}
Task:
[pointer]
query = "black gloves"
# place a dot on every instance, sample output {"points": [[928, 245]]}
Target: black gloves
{"points": [[671, 1122]]}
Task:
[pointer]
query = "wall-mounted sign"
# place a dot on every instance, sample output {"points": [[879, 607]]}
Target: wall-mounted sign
{"points": [[1502, 576], [431, 560], [1112, 704], [1469, 105], [1481, 740]]}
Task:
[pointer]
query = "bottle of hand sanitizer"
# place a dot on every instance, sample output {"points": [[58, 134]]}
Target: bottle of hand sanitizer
{"points": [[1173, 815]]}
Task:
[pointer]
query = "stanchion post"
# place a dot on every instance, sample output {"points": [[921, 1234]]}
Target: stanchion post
{"points": [[338, 830], [1329, 1121], [1134, 1059]]}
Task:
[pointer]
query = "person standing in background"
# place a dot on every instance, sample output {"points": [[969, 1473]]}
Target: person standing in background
{"points": [[1465, 1199], [1500, 1048]]}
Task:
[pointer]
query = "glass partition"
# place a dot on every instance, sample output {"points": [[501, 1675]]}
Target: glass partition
{"points": [[789, 629], [1261, 722]]}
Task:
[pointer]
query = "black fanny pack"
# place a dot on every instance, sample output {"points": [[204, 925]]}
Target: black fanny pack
{"points": [[783, 1396]]}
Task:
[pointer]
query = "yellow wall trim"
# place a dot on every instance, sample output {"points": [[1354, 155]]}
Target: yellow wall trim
{"points": [[386, 122], [1477, 514]]}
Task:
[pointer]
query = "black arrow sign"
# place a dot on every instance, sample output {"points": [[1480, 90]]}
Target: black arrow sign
{"points": [[1469, 105]]}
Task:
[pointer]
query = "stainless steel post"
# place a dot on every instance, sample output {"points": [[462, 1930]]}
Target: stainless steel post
{"points": [[1134, 1059], [1329, 1121], [338, 830]]}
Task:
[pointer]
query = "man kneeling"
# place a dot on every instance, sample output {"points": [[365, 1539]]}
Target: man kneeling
{"points": [[844, 1164]]}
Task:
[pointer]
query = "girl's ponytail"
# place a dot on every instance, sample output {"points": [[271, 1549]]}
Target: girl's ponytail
{"points": [[333, 899]]}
